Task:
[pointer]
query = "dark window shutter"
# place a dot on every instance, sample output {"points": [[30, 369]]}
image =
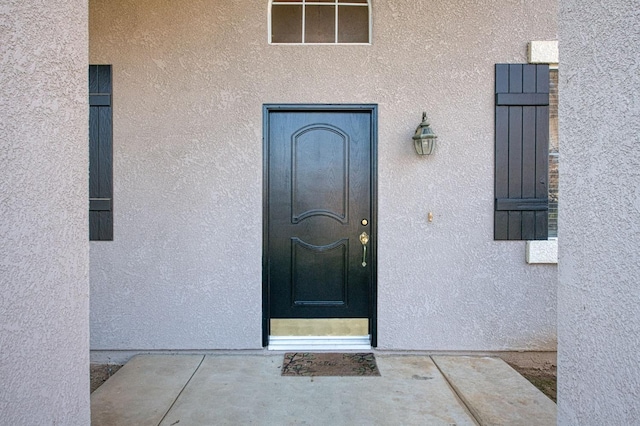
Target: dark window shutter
{"points": [[100, 153], [522, 150]]}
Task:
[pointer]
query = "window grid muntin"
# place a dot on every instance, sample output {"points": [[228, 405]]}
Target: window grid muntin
{"points": [[336, 3]]}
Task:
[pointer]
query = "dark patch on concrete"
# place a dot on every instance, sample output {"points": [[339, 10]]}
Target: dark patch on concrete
{"points": [[416, 377]]}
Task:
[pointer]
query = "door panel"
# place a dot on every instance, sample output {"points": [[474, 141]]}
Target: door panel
{"points": [[317, 150], [319, 191], [319, 273]]}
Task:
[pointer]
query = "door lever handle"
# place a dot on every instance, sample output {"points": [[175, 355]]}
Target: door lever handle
{"points": [[364, 239]]}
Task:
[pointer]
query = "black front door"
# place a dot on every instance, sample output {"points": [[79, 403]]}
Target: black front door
{"points": [[319, 228]]}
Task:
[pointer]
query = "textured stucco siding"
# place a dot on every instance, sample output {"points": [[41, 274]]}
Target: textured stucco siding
{"points": [[44, 248], [190, 78], [599, 236]]}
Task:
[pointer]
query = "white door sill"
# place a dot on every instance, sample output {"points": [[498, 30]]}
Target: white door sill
{"points": [[319, 343]]}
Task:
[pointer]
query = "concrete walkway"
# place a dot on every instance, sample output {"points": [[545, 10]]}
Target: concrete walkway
{"points": [[189, 390]]}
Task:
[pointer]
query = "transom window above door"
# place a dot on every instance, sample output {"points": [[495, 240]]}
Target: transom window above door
{"points": [[320, 22]]}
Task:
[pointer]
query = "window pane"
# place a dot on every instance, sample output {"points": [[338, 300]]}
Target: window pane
{"points": [[320, 23], [353, 24], [286, 24], [352, 1]]}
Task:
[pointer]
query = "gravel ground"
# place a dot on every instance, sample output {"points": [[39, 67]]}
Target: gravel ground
{"points": [[99, 374], [544, 380]]}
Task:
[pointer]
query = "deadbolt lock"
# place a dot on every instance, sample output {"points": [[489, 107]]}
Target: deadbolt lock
{"points": [[364, 222]]}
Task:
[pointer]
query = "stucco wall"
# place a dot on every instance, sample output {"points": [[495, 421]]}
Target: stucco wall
{"points": [[598, 294], [184, 271], [44, 249]]}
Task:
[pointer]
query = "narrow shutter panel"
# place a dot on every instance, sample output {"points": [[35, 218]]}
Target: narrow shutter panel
{"points": [[100, 153], [521, 152]]}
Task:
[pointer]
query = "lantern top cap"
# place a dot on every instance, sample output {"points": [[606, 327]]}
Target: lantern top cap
{"points": [[424, 130]]}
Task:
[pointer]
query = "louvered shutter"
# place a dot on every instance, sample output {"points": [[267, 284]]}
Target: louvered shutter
{"points": [[521, 152], [100, 153]]}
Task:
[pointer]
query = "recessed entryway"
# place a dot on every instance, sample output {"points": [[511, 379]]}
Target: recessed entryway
{"points": [[320, 222]]}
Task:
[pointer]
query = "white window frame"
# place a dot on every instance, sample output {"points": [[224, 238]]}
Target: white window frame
{"points": [[543, 52], [304, 3]]}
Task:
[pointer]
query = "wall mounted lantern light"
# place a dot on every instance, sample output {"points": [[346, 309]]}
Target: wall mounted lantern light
{"points": [[424, 139]]}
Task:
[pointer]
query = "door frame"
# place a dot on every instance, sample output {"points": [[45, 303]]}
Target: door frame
{"points": [[373, 291]]}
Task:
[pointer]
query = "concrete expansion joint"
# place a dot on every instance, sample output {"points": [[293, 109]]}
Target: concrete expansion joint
{"points": [[457, 393], [182, 390]]}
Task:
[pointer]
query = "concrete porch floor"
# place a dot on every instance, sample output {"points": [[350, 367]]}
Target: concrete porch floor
{"points": [[248, 389]]}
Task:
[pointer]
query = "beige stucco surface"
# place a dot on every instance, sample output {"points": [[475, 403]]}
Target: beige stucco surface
{"points": [[190, 79], [44, 248], [599, 236]]}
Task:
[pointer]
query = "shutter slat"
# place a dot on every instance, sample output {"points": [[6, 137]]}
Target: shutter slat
{"points": [[100, 225], [528, 79], [542, 152], [515, 152], [105, 153], [93, 79], [542, 79], [515, 78], [542, 225], [528, 152], [515, 225], [528, 225], [94, 169], [502, 78], [502, 152], [501, 225], [104, 79], [501, 218]]}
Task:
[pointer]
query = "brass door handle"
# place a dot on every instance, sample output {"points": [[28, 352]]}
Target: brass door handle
{"points": [[364, 239]]}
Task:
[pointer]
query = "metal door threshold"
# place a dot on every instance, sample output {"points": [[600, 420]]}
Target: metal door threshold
{"points": [[319, 343]]}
